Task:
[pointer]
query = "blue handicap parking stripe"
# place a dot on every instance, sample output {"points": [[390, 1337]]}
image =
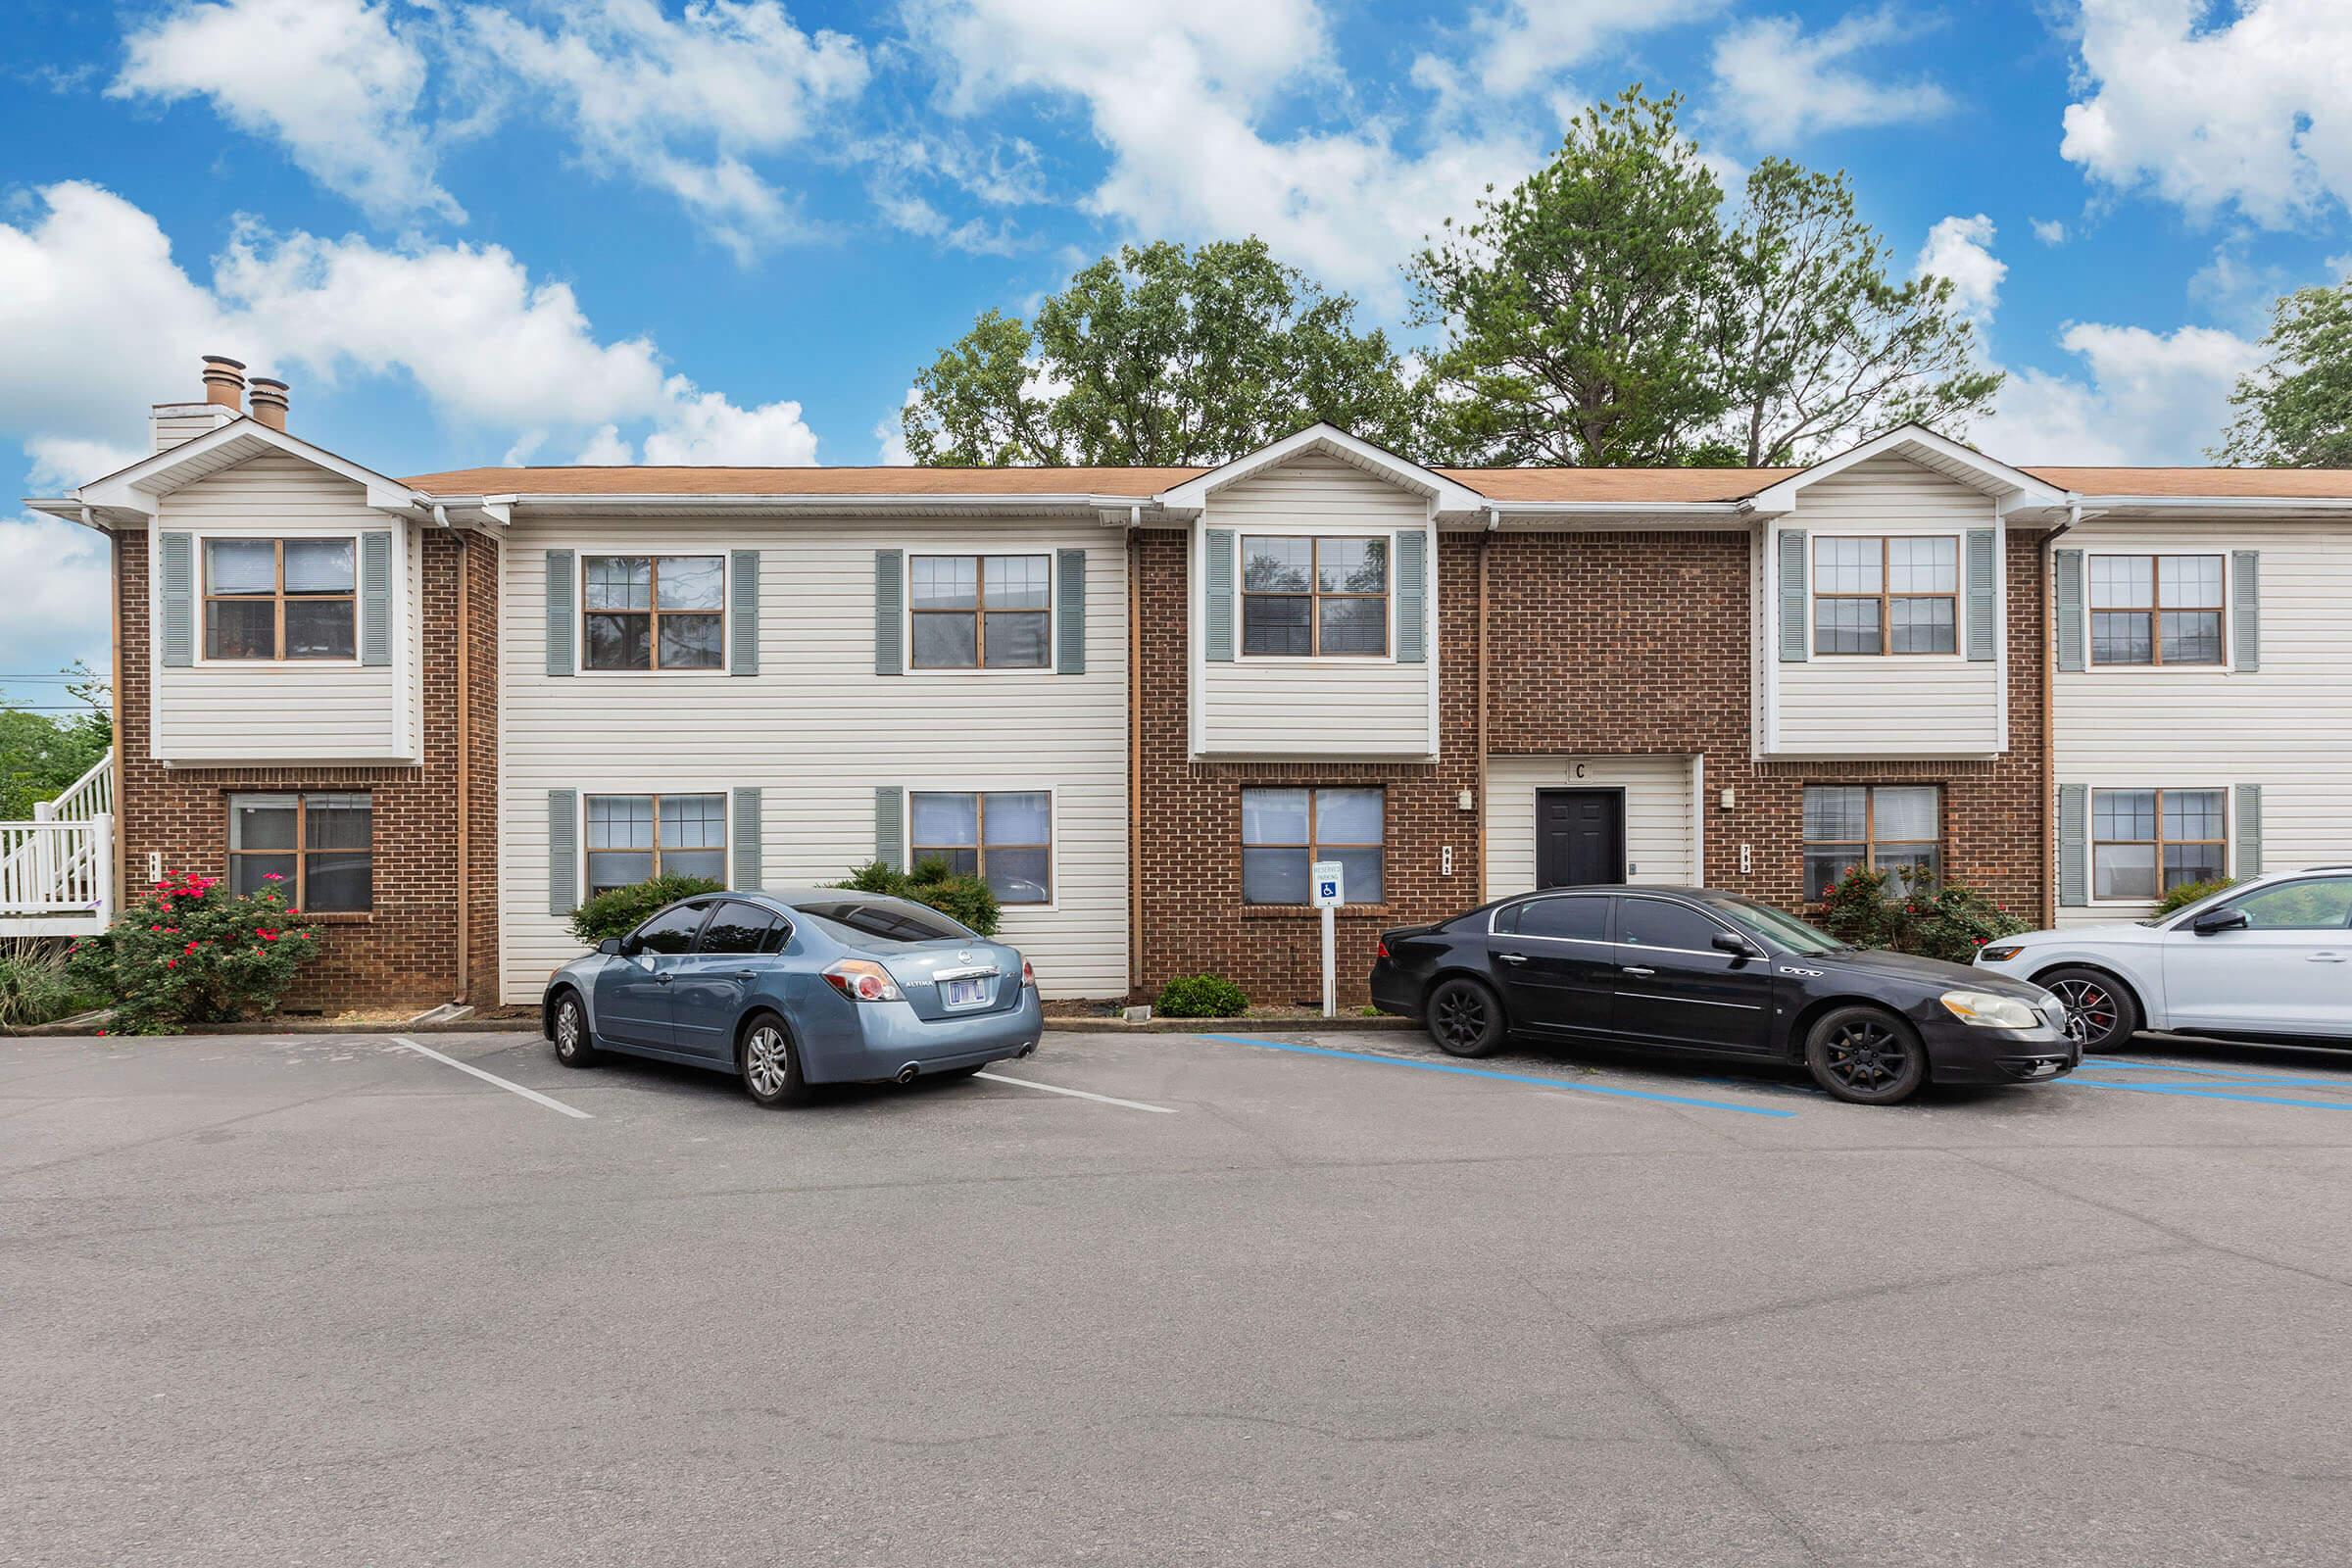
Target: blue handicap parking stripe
{"points": [[2222, 1075], [2200, 1092], [1461, 1072]]}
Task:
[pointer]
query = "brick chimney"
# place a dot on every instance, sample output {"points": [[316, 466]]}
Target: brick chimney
{"points": [[270, 402], [224, 399]]}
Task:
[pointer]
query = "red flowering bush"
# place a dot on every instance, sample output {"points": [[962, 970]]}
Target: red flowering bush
{"points": [[1932, 920], [192, 952]]}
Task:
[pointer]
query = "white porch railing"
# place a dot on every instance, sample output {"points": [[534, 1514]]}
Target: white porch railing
{"points": [[57, 871], [90, 795]]}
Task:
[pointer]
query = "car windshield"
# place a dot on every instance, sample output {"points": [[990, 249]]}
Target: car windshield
{"points": [[870, 921], [2189, 911], [1775, 926]]}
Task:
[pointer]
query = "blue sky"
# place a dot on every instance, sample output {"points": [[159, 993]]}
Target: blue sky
{"points": [[476, 230]]}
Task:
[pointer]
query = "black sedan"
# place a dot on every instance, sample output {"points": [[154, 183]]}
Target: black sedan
{"points": [[1689, 969]]}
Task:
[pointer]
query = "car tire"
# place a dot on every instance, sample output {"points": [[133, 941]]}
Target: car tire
{"points": [[575, 1046], [2101, 1012], [1865, 1056], [770, 1063], [1465, 1018]]}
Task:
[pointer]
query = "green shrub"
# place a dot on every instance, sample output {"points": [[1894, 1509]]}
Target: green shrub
{"points": [[35, 986], [1200, 996], [190, 953], [2189, 893], [1940, 920], [617, 911], [961, 897]]}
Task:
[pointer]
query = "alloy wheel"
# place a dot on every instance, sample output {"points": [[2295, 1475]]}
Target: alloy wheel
{"points": [[568, 1029], [1867, 1055], [2091, 1009], [765, 1062], [1461, 1014]]}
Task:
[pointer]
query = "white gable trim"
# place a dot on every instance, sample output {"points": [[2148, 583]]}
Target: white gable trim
{"points": [[1444, 494], [138, 488], [2011, 488]]}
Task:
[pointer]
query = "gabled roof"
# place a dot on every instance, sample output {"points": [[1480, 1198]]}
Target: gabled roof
{"points": [[136, 489], [1138, 484], [1450, 495], [2012, 488]]}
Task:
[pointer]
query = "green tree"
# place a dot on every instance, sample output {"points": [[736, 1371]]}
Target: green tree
{"points": [[1159, 356], [1576, 307], [1814, 347], [41, 754], [2295, 409]]}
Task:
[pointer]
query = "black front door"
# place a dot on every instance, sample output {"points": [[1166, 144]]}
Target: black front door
{"points": [[1580, 837]]}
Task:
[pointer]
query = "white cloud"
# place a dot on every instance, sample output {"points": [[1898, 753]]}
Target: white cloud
{"points": [[1779, 85], [1521, 45], [1961, 248], [59, 584], [682, 102], [59, 463], [2250, 113], [2148, 398], [334, 80], [2050, 230], [890, 433]]}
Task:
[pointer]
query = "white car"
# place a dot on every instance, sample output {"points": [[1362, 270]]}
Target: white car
{"points": [[2270, 959]]}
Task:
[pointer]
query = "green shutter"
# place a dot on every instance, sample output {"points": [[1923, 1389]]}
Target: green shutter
{"points": [[2245, 566], [176, 576], [1217, 597], [890, 600], [2074, 847], [558, 612], [1069, 648], [375, 599], [1982, 580], [890, 827], [1413, 588], [747, 873], [1796, 632], [742, 607], [2249, 831], [563, 851], [2070, 609]]}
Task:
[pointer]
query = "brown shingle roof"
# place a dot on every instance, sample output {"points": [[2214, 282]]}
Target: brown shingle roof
{"points": [[2304, 484]]}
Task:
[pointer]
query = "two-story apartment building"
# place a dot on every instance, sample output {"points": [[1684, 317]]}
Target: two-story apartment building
{"points": [[1141, 703]]}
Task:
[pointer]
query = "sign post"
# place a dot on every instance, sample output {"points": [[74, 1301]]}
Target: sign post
{"points": [[1330, 880]]}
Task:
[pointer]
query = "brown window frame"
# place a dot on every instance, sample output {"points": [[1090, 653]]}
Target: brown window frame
{"points": [[277, 595], [1886, 596], [1870, 843], [299, 896], [1314, 594], [2158, 844], [915, 850], [980, 610], [1313, 846], [2154, 613], [655, 613], [726, 844]]}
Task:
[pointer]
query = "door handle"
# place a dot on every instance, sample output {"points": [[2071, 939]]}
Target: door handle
{"points": [[2326, 957], [1512, 957], [746, 974], [1635, 968], [664, 979]]}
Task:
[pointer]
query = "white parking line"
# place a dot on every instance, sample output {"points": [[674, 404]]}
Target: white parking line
{"points": [[493, 1078], [1077, 1093]]}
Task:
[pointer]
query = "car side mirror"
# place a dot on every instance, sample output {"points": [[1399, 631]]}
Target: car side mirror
{"points": [[2213, 920], [611, 946], [1738, 946]]}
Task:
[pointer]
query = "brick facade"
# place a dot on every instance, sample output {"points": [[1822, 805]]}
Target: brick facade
{"points": [[405, 948]]}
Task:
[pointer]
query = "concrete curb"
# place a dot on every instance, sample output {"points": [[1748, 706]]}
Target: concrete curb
{"points": [[530, 1025]]}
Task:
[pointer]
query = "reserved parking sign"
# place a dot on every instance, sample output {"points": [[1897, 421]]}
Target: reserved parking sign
{"points": [[1331, 884]]}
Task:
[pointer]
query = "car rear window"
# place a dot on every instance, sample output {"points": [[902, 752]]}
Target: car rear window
{"points": [[860, 920]]}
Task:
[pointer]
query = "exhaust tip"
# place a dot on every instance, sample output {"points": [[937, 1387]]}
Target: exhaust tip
{"points": [[1029, 1050], [908, 1072]]}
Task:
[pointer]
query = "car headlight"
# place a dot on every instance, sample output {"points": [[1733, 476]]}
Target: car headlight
{"points": [[2001, 954], [1988, 1011]]}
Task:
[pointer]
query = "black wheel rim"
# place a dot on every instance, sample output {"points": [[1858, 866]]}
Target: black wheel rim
{"points": [[1461, 1016], [1867, 1057], [2091, 1009]]}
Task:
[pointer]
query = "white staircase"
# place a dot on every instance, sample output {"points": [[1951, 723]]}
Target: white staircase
{"points": [[57, 871]]}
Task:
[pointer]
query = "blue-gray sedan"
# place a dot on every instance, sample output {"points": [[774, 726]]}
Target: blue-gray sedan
{"points": [[788, 989]]}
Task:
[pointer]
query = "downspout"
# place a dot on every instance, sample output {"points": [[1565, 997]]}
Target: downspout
{"points": [[464, 759], [117, 872], [1486, 537], [1135, 752], [2050, 713]]}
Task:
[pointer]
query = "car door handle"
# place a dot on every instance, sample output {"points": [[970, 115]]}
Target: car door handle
{"points": [[664, 979], [1512, 957], [747, 974], [2326, 957], [1635, 968]]}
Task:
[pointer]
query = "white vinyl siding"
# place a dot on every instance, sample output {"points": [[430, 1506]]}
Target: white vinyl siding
{"points": [[817, 731], [1339, 705], [2285, 727], [1660, 820], [1888, 704], [283, 711]]}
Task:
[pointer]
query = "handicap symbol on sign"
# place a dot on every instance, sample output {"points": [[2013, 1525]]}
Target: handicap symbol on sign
{"points": [[1329, 889]]}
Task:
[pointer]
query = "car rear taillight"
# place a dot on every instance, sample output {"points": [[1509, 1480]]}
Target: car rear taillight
{"points": [[863, 980], [1028, 976], [1382, 951]]}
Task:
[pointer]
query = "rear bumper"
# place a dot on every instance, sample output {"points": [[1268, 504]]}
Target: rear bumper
{"points": [[879, 1038], [1963, 1054], [1395, 992]]}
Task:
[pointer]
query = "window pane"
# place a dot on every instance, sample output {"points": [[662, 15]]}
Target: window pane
{"points": [[2193, 813], [694, 821], [1019, 876], [1922, 625], [2123, 814], [249, 875], [320, 566], [2191, 580], [1846, 625], [620, 642], [945, 818], [672, 930], [692, 582], [1579, 919], [1917, 859], [1655, 923], [963, 863], [336, 821], [1351, 566], [240, 566], [1274, 816], [1923, 565], [1845, 566], [690, 642], [1835, 812], [1017, 582], [2184, 864], [1017, 640], [946, 642], [1020, 819], [620, 582], [2122, 582], [241, 628], [1277, 565], [1273, 877], [737, 928], [320, 628], [2319, 903], [1824, 868], [336, 881], [1348, 817], [618, 869], [2192, 636], [621, 823], [261, 822], [945, 582], [2120, 639], [710, 863], [1906, 813], [2122, 871], [1362, 869], [1275, 625], [1355, 625]]}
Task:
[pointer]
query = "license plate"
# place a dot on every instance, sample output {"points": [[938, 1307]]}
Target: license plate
{"points": [[963, 993]]}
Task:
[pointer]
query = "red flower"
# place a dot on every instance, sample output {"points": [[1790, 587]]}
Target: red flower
{"points": [[273, 876], [191, 947], [170, 963]]}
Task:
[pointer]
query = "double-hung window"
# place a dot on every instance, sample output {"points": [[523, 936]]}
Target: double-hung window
{"points": [[2155, 610], [654, 612], [1285, 831], [981, 611], [280, 599], [2146, 843], [1315, 596], [1004, 837], [317, 849], [1883, 827], [1885, 595], [635, 838]]}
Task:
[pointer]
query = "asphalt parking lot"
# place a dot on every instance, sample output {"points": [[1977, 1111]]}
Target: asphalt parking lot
{"points": [[339, 1300]]}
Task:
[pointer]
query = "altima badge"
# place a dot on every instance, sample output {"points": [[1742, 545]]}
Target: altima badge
{"points": [[964, 958]]}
